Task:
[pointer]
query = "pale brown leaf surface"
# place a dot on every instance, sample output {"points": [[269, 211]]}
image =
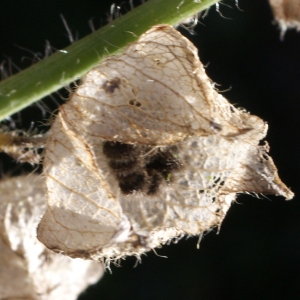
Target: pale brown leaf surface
{"points": [[287, 14], [28, 270]]}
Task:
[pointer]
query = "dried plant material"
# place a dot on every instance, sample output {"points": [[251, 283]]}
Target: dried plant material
{"points": [[147, 151], [287, 14], [28, 270], [22, 146]]}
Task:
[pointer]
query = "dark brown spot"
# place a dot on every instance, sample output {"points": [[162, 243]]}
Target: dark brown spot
{"points": [[121, 165], [215, 126], [155, 181], [136, 171], [134, 102], [117, 150], [110, 85], [131, 183], [124, 161], [164, 162]]}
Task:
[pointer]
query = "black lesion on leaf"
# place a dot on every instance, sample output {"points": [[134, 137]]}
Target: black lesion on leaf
{"points": [[124, 161], [132, 182], [139, 168], [155, 181], [161, 166], [122, 165], [164, 161], [120, 151], [109, 86]]}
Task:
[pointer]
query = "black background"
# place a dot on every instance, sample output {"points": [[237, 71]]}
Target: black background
{"points": [[257, 253]]}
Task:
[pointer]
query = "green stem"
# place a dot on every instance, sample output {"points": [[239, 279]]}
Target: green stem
{"points": [[63, 67]]}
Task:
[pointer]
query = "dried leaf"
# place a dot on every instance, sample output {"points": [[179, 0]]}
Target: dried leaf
{"points": [[146, 151], [287, 14], [28, 270], [22, 146]]}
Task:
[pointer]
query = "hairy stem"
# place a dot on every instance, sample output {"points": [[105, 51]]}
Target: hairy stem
{"points": [[63, 67]]}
